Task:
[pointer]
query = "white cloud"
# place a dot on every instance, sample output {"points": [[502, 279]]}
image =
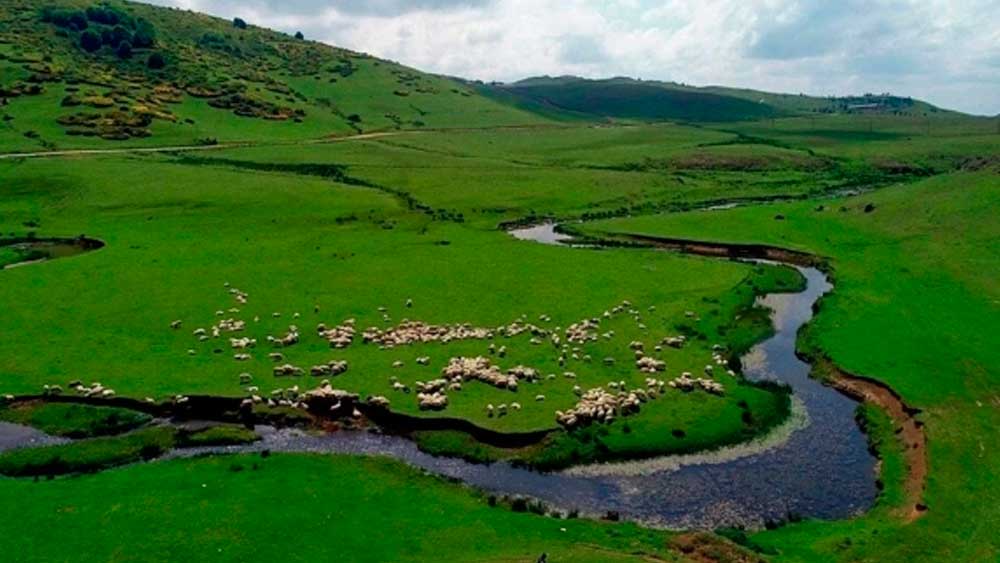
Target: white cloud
{"points": [[944, 51]]}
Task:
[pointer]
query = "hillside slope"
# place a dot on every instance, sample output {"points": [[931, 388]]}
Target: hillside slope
{"points": [[79, 73]]}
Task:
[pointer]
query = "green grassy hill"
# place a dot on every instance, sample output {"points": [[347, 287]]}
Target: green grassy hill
{"points": [[77, 72], [630, 99], [570, 96]]}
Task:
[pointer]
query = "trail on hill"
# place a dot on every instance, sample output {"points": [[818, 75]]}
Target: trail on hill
{"points": [[243, 144], [193, 148]]}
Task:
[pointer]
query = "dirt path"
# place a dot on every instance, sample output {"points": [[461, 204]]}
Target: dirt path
{"points": [[192, 148], [241, 144]]}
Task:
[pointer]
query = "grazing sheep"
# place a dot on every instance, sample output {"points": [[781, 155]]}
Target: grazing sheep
{"points": [[175, 325], [289, 339], [287, 370], [480, 368], [378, 401], [598, 405], [539, 398], [675, 341], [649, 364], [242, 343], [432, 401], [340, 336]]}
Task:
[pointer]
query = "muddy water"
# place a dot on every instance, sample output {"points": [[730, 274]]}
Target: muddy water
{"points": [[817, 465]]}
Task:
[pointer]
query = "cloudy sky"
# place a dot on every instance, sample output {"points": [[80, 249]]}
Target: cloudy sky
{"points": [[943, 51]]}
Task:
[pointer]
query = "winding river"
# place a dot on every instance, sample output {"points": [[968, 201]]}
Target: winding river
{"points": [[815, 466]]}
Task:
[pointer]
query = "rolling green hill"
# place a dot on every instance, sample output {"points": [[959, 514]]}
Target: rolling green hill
{"points": [[627, 98], [77, 72]]}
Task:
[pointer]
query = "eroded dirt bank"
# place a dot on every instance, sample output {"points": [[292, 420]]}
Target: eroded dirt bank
{"points": [[909, 430]]}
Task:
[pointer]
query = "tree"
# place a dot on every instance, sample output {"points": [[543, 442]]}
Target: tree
{"points": [[90, 41], [144, 36], [118, 35], [299, 36], [124, 50], [156, 61], [238, 23]]}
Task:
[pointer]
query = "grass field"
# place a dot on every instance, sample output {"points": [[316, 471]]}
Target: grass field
{"points": [[293, 508]]}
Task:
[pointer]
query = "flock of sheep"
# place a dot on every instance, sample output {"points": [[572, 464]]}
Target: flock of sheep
{"points": [[601, 404]]}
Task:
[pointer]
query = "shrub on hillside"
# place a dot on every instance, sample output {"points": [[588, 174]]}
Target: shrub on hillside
{"points": [[90, 41], [64, 18], [107, 15], [238, 23], [156, 61], [117, 35], [124, 50]]}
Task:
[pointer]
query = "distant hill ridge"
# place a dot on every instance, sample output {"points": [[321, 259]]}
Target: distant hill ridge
{"points": [[623, 97]]}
